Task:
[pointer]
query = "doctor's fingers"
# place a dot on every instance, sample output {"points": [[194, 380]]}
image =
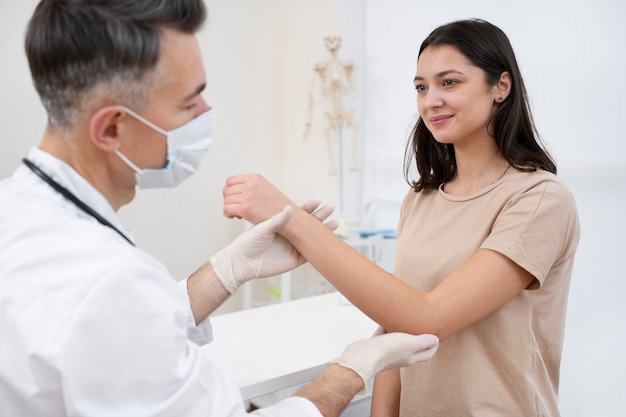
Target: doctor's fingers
{"points": [[311, 205], [324, 212], [321, 213]]}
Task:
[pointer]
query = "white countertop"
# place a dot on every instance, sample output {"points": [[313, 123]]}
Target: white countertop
{"points": [[266, 349]]}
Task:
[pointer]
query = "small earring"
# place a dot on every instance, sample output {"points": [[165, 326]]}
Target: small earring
{"points": [[499, 99]]}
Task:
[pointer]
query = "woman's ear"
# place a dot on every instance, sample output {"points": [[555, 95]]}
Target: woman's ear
{"points": [[104, 128], [502, 89]]}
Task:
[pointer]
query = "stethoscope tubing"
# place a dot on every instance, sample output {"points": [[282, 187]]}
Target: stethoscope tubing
{"points": [[70, 196]]}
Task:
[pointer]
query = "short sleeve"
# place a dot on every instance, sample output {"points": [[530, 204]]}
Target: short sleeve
{"points": [[401, 220], [537, 229]]}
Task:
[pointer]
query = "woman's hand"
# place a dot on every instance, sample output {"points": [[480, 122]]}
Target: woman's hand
{"points": [[253, 198]]}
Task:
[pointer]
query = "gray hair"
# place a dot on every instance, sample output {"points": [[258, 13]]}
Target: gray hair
{"points": [[80, 50]]}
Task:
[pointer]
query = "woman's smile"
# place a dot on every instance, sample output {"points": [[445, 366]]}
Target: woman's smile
{"points": [[439, 120]]}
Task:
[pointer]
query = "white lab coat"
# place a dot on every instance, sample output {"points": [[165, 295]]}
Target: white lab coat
{"points": [[92, 326]]}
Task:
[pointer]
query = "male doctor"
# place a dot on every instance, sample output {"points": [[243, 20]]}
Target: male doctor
{"points": [[91, 325]]}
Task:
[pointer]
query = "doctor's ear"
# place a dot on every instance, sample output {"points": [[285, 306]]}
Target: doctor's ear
{"points": [[105, 128]]}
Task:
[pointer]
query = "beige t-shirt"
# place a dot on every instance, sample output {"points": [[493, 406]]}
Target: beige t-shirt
{"points": [[506, 364]]}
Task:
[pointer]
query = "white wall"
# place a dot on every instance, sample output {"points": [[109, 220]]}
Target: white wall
{"points": [[572, 57], [259, 58]]}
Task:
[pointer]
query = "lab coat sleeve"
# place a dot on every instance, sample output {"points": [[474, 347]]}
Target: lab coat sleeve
{"points": [[289, 405], [126, 352], [201, 334]]}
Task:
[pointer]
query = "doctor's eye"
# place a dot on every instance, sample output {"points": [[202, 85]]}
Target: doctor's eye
{"points": [[419, 88]]}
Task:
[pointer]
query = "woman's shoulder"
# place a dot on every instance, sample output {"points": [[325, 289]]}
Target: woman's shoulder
{"points": [[412, 195], [540, 192], [551, 184]]}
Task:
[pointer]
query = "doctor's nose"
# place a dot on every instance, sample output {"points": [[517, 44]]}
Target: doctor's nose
{"points": [[202, 107]]}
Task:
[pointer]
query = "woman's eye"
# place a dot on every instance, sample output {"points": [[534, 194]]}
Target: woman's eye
{"points": [[447, 83], [420, 88]]}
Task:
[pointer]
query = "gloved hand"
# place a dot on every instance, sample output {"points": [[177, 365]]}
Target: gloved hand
{"points": [[321, 213], [387, 351], [260, 252]]}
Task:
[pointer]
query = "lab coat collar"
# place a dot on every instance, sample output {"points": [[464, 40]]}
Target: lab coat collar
{"points": [[65, 175]]}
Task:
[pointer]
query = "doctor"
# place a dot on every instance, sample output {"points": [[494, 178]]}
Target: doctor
{"points": [[90, 324]]}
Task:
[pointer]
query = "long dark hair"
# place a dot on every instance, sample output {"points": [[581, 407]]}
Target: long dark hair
{"points": [[488, 48]]}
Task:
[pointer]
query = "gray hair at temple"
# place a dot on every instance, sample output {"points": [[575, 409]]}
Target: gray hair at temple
{"points": [[78, 49]]}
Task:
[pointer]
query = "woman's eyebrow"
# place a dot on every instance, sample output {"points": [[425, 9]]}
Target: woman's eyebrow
{"points": [[439, 74]]}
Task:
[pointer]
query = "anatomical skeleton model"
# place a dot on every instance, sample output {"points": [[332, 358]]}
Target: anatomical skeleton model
{"points": [[336, 78]]}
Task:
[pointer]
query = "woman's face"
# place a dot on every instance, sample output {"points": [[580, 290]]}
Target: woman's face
{"points": [[453, 97]]}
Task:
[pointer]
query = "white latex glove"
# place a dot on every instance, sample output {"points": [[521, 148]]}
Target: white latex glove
{"points": [[321, 213], [382, 352], [260, 252]]}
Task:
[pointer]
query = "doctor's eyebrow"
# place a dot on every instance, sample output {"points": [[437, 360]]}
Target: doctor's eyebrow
{"points": [[195, 93], [439, 74]]}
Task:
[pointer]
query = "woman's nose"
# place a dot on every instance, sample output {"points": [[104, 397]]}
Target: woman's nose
{"points": [[430, 99]]}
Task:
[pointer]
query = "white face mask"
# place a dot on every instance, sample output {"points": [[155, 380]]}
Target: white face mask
{"points": [[186, 147]]}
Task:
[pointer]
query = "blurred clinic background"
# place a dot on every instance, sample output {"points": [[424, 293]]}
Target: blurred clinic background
{"points": [[259, 58]]}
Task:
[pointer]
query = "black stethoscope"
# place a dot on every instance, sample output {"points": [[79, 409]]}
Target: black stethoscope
{"points": [[68, 194]]}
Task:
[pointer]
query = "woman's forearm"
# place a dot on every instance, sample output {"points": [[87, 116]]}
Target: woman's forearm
{"points": [[373, 290], [386, 394]]}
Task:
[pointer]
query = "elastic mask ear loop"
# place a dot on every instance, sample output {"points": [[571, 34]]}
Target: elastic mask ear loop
{"points": [[147, 123], [143, 120], [130, 164]]}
